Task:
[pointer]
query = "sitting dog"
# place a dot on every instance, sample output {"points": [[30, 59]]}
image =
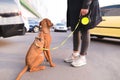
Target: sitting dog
{"points": [[39, 49]]}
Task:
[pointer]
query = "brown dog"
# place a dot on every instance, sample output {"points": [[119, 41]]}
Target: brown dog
{"points": [[40, 45]]}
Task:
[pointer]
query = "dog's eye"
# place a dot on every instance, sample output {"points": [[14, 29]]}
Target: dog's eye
{"points": [[39, 39]]}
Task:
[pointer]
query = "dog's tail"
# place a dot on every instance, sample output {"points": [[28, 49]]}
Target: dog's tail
{"points": [[22, 72]]}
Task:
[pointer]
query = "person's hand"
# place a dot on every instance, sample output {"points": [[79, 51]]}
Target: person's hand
{"points": [[84, 11]]}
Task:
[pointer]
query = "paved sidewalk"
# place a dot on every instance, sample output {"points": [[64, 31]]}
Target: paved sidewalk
{"points": [[103, 60]]}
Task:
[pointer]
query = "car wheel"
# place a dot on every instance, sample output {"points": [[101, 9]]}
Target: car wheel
{"points": [[36, 29], [65, 31], [55, 30], [23, 31]]}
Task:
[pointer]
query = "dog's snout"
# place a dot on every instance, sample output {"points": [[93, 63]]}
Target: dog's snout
{"points": [[50, 24]]}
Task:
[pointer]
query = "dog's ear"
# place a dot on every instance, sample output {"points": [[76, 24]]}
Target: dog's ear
{"points": [[40, 23], [49, 23]]}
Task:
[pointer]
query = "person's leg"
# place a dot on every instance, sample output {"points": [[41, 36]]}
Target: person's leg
{"points": [[76, 42], [83, 51], [85, 42]]}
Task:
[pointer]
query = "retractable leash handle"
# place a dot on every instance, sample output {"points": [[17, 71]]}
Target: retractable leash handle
{"points": [[85, 20]]}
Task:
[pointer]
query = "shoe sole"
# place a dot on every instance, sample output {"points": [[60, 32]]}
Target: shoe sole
{"points": [[78, 65], [68, 61]]}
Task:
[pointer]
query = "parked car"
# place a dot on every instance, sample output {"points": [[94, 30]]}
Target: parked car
{"points": [[11, 22], [110, 26], [33, 25], [60, 27]]}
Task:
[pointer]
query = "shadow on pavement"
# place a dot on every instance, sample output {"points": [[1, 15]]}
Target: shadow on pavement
{"points": [[107, 40]]}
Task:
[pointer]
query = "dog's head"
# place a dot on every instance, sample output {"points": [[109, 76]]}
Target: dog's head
{"points": [[46, 22]]}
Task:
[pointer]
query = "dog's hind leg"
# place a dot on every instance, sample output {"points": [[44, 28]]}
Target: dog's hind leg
{"points": [[35, 66], [38, 68]]}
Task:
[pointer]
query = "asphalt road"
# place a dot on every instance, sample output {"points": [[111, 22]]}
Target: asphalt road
{"points": [[103, 59]]}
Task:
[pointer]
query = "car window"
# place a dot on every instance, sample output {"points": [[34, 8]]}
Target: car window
{"points": [[33, 22], [113, 10], [8, 1], [59, 24]]}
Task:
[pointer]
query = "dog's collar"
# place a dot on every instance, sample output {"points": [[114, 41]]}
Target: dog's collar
{"points": [[45, 49], [38, 45]]}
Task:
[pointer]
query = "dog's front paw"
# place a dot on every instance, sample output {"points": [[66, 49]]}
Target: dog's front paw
{"points": [[52, 65]]}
